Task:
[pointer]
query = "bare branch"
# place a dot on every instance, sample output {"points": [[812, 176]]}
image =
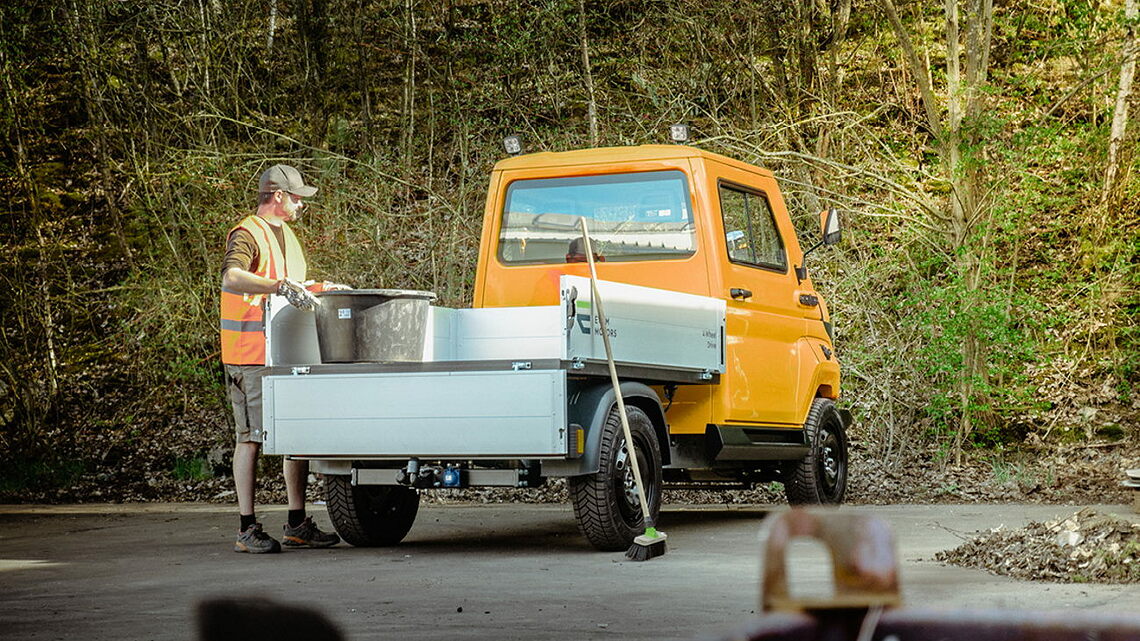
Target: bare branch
{"points": [[921, 75], [331, 154], [891, 185]]}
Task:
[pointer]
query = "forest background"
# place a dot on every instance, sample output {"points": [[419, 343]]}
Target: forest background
{"points": [[986, 292]]}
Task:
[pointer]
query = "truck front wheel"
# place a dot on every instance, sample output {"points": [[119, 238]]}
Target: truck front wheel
{"points": [[370, 515], [821, 477], [606, 504]]}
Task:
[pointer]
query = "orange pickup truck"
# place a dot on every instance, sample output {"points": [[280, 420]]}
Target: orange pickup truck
{"points": [[723, 347]]}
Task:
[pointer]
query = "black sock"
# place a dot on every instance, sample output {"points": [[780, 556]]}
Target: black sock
{"points": [[247, 520], [296, 517]]}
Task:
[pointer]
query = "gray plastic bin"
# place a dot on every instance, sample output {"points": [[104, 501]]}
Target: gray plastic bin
{"points": [[372, 325]]}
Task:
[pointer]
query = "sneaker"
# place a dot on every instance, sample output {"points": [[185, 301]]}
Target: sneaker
{"points": [[255, 541], [308, 535]]}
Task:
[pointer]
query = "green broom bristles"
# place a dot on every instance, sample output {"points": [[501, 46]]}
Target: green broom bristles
{"points": [[647, 546]]}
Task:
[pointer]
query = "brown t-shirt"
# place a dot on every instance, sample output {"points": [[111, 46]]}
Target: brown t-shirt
{"points": [[241, 249]]}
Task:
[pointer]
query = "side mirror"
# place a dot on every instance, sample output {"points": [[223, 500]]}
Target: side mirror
{"points": [[829, 226], [831, 233]]}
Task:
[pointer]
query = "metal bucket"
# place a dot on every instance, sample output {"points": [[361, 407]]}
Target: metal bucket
{"points": [[372, 325]]}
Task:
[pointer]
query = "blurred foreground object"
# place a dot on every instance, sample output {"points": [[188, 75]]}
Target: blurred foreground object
{"points": [[866, 605], [251, 619]]}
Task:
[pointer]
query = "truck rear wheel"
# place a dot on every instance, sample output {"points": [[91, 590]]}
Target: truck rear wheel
{"points": [[821, 477], [370, 515], [606, 504]]}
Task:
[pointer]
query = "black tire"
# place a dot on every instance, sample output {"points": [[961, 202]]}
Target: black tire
{"points": [[821, 477], [606, 506], [370, 515]]}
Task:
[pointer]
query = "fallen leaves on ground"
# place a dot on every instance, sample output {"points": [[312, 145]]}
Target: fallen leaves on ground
{"points": [[1088, 475], [1087, 547]]}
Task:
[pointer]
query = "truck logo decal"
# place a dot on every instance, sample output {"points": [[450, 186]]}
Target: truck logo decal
{"points": [[584, 326]]}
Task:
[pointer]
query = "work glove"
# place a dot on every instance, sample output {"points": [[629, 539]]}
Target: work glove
{"points": [[297, 295]]}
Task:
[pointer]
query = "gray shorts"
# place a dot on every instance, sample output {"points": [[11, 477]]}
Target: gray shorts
{"points": [[244, 385]]}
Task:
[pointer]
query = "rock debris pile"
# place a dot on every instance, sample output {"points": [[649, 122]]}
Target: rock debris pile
{"points": [[1087, 547]]}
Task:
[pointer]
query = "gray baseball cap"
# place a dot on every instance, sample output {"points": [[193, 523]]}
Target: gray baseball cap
{"points": [[284, 178]]}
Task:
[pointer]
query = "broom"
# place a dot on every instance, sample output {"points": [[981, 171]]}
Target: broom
{"points": [[652, 542]]}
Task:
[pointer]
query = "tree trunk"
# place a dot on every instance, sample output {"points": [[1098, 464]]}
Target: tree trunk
{"points": [[964, 209], [82, 27], [407, 138], [272, 24], [592, 104], [1116, 168], [28, 284]]}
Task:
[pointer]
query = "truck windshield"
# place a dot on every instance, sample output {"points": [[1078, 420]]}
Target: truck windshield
{"points": [[640, 216]]}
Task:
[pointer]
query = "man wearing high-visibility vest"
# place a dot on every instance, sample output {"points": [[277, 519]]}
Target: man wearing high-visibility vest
{"points": [[264, 257]]}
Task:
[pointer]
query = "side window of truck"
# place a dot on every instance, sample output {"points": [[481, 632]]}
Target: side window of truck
{"points": [[750, 229]]}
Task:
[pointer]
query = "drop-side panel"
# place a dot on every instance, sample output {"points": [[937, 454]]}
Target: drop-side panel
{"points": [[648, 326], [430, 414]]}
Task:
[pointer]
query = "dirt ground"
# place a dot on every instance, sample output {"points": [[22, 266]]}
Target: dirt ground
{"points": [[509, 571], [1071, 475]]}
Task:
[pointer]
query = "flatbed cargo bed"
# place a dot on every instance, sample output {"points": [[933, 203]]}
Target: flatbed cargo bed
{"points": [[650, 374], [492, 383]]}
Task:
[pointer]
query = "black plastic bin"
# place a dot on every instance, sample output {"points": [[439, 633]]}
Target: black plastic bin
{"points": [[372, 325]]}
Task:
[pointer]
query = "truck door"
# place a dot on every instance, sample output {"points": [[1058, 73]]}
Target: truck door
{"points": [[763, 321]]}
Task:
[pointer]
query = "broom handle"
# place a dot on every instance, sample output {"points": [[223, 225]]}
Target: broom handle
{"points": [[597, 305]]}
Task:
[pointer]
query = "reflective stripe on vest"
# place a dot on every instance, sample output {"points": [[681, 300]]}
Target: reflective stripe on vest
{"points": [[243, 316], [243, 326]]}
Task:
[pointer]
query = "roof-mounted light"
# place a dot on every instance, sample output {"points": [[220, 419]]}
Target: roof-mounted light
{"points": [[513, 145], [679, 133]]}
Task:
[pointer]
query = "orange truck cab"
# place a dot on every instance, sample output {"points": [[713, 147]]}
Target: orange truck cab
{"points": [[729, 374]]}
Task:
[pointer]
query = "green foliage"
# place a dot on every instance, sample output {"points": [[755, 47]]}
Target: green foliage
{"points": [[947, 314], [197, 468], [131, 135], [19, 477]]}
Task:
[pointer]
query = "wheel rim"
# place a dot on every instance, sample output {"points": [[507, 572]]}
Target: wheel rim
{"points": [[832, 459], [625, 484]]}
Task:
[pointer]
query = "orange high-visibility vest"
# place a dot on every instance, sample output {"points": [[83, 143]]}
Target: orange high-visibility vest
{"points": [[243, 315]]}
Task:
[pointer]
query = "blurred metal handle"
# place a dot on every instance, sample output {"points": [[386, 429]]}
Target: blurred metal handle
{"points": [[863, 555]]}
